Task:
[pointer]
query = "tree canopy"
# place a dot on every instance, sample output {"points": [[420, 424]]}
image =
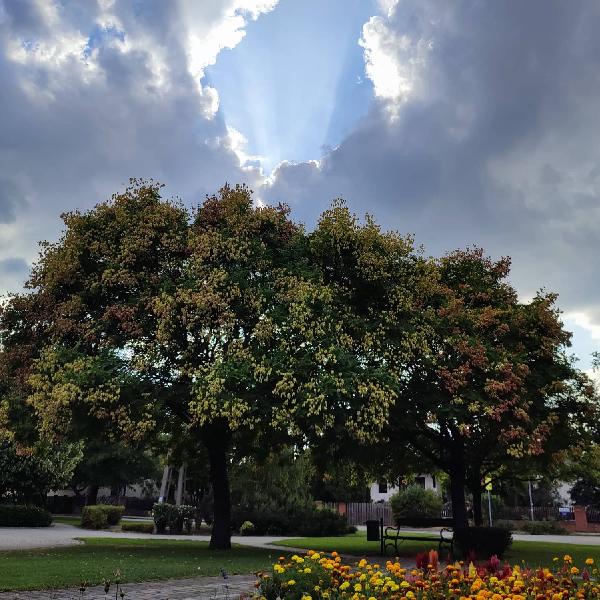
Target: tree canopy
{"points": [[230, 328]]}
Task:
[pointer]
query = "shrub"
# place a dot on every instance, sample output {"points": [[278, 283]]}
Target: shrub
{"points": [[101, 516], [138, 527], [181, 518], [483, 542], [544, 527], [175, 518], [161, 513], [304, 521], [247, 528], [19, 515], [414, 501]]}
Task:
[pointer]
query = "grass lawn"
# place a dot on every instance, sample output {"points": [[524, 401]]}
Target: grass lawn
{"points": [[137, 559], [533, 553], [76, 521]]}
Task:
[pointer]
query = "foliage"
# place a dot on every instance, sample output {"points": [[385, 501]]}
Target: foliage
{"points": [[586, 493], [492, 393], [18, 515], [280, 480], [212, 323], [172, 517], [138, 527], [114, 465], [482, 542], [27, 474], [339, 479], [323, 576], [292, 520], [101, 516], [543, 527], [415, 501], [247, 528]]}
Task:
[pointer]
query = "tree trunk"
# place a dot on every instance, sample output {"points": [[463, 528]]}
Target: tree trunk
{"points": [[216, 440], [477, 514], [457, 489], [91, 495]]}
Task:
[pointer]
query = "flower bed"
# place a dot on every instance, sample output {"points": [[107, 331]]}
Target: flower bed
{"points": [[317, 575]]}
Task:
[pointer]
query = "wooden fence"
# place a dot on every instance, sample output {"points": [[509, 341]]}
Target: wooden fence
{"points": [[358, 513]]}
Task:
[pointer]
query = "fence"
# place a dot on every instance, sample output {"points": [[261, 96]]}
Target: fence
{"points": [[593, 515], [359, 512]]}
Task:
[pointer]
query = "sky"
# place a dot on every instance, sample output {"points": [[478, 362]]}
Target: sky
{"points": [[464, 122]]}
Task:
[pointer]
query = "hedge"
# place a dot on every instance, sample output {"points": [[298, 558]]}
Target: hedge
{"points": [[138, 527], [101, 516], [19, 515]]}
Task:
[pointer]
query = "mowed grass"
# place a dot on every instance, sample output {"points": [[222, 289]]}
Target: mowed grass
{"points": [[137, 560], [76, 520], [533, 553]]}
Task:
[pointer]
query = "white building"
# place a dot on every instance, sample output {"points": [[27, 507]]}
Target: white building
{"points": [[382, 491]]}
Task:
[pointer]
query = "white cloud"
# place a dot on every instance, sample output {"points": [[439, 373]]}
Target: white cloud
{"points": [[393, 61], [583, 320]]}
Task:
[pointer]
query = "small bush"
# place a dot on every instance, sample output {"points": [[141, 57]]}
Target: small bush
{"points": [[414, 501], [544, 527], [161, 513], [483, 542], [101, 516], [19, 515], [176, 518], [247, 528], [138, 527]]}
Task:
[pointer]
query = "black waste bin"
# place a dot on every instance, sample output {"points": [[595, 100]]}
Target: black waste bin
{"points": [[372, 531]]}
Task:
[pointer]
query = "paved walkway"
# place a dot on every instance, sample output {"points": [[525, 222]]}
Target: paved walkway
{"points": [[60, 534], [22, 538], [209, 588]]}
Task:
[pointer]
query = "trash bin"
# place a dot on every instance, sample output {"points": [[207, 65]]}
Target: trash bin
{"points": [[372, 531]]}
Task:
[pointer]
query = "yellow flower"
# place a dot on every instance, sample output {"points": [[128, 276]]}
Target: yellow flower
{"points": [[358, 587], [589, 561], [306, 597], [567, 558], [344, 586], [574, 571], [291, 582], [307, 570]]}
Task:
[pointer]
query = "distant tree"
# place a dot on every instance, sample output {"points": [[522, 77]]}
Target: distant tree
{"points": [[27, 474], [586, 493]]}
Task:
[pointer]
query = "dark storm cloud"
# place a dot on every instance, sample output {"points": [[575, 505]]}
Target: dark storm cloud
{"points": [[93, 94], [498, 144]]}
